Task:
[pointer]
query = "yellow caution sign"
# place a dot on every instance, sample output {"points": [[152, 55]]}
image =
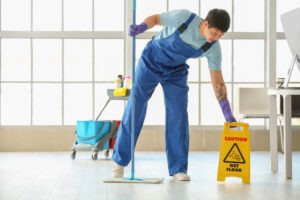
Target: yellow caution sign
{"points": [[234, 159]]}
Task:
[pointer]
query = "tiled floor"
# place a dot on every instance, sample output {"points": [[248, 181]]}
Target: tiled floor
{"points": [[54, 176]]}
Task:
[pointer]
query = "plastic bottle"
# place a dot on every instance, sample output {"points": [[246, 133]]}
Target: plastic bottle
{"points": [[118, 83], [127, 81], [120, 77]]}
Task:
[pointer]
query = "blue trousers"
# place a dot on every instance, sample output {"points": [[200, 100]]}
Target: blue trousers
{"points": [[174, 83]]}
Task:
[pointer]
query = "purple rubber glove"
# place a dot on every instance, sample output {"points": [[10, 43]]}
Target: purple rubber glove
{"points": [[227, 111], [137, 29]]}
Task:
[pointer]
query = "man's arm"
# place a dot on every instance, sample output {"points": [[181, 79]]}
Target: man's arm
{"points": [[218, 84], [152, 21], [148, 23], [221, 94]]}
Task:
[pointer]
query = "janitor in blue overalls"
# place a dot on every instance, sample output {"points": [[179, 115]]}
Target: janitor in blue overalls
{"points": [[163, 61]]}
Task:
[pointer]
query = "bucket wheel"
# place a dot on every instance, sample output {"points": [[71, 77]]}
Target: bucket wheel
{"points": [[73, 155], [106, 153], [94, 155]]}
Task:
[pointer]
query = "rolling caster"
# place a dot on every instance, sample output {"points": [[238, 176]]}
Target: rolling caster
{"points": [[95, 155], [73, 155]]}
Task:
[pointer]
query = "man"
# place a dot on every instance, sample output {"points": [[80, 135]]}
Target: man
{"points": [[184, 35]]}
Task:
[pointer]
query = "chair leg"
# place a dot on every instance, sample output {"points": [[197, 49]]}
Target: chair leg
{"points": [[281, 135]]}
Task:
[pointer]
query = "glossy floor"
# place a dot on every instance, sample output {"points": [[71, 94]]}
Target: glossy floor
{"points": [[54, 176]]}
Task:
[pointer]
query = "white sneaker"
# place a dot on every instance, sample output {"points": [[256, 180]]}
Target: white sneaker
{"points": [[181, 177], [117, 171]]}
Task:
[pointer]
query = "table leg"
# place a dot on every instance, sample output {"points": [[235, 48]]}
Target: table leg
{"points": [[273, 134], [287, 136]]}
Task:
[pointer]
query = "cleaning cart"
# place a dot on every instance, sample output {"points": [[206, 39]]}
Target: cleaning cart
{"points": [[97, 135]]}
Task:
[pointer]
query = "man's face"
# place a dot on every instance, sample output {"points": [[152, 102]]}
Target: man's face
{"points": [[212, 34]]}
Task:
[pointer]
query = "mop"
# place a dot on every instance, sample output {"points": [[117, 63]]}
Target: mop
{"points": [[132, 178]]}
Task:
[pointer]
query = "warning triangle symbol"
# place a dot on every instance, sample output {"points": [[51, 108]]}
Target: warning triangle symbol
{"points": [[234, 155]]}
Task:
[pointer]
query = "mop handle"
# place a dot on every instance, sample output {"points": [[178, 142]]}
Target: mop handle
{"points": [[133, 92]]}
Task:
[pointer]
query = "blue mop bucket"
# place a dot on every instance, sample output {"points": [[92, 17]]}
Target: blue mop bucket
{"points": [[90, 132]]}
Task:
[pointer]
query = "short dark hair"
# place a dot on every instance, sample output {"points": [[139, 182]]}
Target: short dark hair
{"points": [[218, 18]]}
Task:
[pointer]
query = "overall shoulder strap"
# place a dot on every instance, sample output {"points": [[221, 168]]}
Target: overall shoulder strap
{"points": [[184, 26], [207, 46]]}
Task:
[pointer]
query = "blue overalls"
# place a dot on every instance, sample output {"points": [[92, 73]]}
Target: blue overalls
{"points": [[163, 61]]}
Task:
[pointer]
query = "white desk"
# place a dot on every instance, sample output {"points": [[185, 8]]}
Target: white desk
{"points": [[286, 94]]}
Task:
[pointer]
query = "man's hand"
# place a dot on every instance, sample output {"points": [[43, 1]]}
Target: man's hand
{"points": [[227, 111], [137, 29]]}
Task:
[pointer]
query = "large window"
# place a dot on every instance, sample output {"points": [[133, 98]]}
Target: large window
{"points": [[59, 57]]}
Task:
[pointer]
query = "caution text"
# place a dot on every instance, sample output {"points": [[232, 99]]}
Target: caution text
{"points": [[240, 139]]}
